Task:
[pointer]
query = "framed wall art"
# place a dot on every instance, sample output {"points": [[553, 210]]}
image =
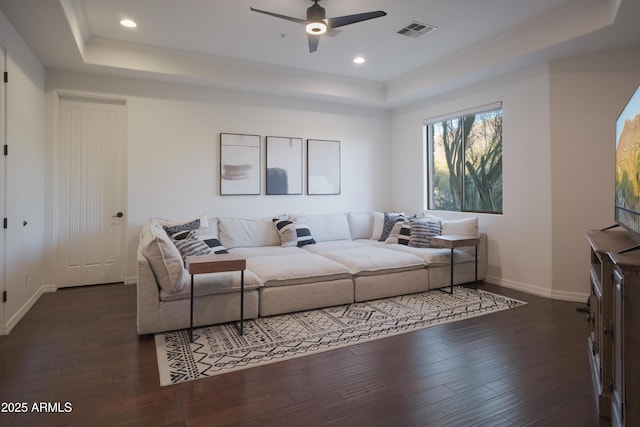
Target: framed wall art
{"points": [[284, 165], [323, 166], [239, 164]]}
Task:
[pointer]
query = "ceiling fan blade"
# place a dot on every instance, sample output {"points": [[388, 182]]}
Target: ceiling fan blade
{"points": [[313, 42], [331, 32], [277, 15], [352, 19]]}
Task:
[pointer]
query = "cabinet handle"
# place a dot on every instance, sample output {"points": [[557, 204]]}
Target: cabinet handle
{"points": [[608, 331]]}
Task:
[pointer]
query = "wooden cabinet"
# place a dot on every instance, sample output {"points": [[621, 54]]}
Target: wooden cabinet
{"points": [[614, 341]]}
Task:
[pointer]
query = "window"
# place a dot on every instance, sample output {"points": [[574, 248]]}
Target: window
{"points": [[464, 161]]}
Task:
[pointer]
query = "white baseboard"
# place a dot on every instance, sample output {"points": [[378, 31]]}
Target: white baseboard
{"points": [[538, 291], [131, 280], [8, 327]]}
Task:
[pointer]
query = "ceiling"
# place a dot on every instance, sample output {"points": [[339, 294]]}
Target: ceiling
{"points": [[222, 44]]}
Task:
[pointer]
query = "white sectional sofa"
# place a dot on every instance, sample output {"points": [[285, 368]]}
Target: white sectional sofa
{"points": [[347, 262]]}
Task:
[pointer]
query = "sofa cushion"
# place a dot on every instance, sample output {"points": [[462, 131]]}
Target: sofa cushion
{"points": [[240, 232], [436, 256], [213, 284], [360, 225], [375, 260], [296, 269], [164, 258], [267, 251], [325, 227], [334, 245]]}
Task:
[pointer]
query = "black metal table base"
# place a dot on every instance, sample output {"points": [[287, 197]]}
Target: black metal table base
{"points": [[239, 324], [475, 280]]}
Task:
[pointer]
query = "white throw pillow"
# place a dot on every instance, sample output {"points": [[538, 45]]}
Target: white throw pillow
{"points": [[247, 233], [325, 227], [461, 227], [165, 260], [378, 223], [360, 225]]}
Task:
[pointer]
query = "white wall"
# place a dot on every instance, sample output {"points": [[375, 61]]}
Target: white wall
{"points": [[518, 240], [587, 94], [173, 154], [558, 171], [25, 176]]}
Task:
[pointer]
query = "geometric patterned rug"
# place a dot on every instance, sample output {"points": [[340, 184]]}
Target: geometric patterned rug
{"points": [[219, 349]]}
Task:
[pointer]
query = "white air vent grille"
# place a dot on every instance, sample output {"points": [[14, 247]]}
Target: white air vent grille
{"points": [[416, 29]]}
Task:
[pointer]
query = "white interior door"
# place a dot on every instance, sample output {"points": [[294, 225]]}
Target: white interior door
{"points": [[91, 192], [3, 181]]}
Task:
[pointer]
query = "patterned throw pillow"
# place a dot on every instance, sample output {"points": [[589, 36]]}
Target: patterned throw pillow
{"points": [[422, 230], [395, 232], [390, 220], [293, 234], [193, 225], [182, 235]]}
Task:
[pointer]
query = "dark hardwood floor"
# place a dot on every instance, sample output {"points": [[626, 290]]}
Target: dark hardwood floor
{"points": [[522, 367]]}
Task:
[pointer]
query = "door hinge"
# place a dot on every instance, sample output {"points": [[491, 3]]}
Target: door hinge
{"points": [[5, 223], [6, 77], [6, 150], [4, 296]]}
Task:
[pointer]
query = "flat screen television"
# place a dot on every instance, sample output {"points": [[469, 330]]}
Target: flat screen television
{"points": [[627, 202]]}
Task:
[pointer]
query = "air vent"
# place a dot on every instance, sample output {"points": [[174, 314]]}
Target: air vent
{"points": [[416, 29]]}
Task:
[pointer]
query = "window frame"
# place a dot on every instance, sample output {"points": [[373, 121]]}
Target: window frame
{"points": [[429, 160]]}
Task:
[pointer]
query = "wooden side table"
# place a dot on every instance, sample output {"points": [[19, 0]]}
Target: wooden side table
{"points": [[453, 241], [216, 263]]}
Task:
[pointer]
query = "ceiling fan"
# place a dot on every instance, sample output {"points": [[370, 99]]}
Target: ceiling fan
{"points": [[317, 23]]}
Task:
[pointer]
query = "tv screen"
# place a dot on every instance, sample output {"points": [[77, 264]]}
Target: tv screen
{"points": [[627, 210]]}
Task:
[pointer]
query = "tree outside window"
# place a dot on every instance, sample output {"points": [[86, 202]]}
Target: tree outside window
{"points": [[465, 163]]}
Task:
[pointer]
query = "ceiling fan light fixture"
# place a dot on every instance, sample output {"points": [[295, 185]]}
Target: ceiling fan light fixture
{"points": [[316, 28]]}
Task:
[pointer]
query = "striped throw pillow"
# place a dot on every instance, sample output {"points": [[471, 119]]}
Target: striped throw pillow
{"points": [[405, 233], [188, 247], [422, 230], [215, 246], [293, 234]]}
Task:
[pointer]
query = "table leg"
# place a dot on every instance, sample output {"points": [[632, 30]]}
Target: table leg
{"points": [[475, 282], [241, 302], [451, 271], [191, 313]]}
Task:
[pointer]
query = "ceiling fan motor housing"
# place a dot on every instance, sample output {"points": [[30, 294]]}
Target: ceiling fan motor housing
{"points": [[316, 13]]}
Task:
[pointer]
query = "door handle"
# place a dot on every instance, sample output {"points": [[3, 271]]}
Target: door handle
{"points": [[117, 215]]}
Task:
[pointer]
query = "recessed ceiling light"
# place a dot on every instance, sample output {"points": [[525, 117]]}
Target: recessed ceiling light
{"points": [[359, 60], [129, 23]]}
